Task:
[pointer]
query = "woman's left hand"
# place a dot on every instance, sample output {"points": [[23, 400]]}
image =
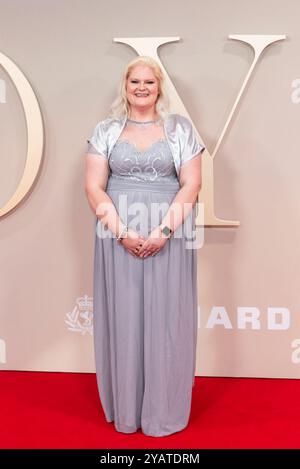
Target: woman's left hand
{"points": [[153, 244]]}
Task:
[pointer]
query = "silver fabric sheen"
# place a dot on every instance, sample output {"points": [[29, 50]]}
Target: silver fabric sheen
{"points": [[179, 133]]}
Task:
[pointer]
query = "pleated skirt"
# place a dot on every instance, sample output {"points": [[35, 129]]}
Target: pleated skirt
{"points": [[145, 317]]}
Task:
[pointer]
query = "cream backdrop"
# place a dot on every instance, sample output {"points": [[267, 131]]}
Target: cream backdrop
{"points": [[248, 273]]}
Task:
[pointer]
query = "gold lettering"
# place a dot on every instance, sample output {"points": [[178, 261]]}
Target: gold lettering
{"points": [[35, 134]]}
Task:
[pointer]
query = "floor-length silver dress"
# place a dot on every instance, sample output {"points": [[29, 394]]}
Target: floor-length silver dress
{"points": [[145, 310]]}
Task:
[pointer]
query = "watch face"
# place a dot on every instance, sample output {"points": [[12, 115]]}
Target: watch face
{"points": [[166, 230]]}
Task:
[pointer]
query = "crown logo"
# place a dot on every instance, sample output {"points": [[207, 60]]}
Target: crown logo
{"points": [[80, 319]]}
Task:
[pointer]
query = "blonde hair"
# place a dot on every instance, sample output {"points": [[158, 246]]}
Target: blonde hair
{"points": [[121, 107]]}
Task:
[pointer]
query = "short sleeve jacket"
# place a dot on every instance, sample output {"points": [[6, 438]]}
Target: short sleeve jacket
{"points": [[179, 132]]}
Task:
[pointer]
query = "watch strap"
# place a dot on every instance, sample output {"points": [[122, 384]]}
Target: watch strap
{"points": [[166, 230]]}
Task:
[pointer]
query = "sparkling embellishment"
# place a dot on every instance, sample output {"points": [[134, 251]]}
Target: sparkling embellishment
{"points": [[141, 150], [154, 163], [144, 123]]}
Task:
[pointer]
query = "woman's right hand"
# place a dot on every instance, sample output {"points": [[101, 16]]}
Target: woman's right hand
{"points": [[133, 242]]}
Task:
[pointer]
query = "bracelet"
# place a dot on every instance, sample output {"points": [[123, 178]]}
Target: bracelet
{"points": [[125, 229]]}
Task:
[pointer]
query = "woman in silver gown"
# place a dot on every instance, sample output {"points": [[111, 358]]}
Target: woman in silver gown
{"points": [[143, 165]]}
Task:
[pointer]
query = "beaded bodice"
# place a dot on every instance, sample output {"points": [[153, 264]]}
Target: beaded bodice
{"points": [[155, 163]]}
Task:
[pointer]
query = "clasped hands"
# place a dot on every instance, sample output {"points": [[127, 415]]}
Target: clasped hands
{"points": [[142, 247]]}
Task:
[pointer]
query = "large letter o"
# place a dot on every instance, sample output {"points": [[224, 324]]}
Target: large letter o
{"points": [[35, 133]]}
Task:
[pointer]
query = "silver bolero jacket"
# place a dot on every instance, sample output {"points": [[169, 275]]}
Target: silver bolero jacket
{"points": [[179, 133]]}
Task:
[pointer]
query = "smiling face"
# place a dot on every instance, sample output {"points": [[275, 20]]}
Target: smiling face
{"points": [[142, 87]]}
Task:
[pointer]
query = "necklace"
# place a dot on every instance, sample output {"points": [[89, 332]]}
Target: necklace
{"points": [[144, 123]]}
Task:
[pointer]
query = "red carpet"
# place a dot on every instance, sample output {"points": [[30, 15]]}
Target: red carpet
{"points": [[62, 410]]}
